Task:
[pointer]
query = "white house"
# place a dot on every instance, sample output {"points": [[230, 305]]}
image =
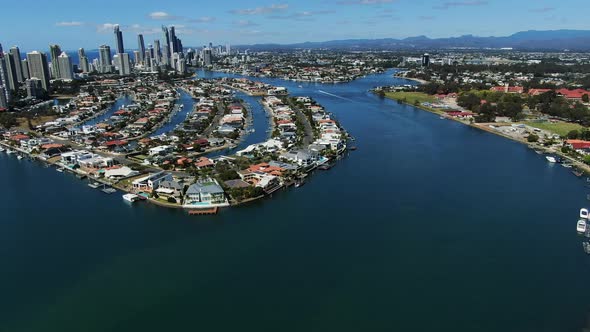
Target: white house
{"points": [[151, 182]]}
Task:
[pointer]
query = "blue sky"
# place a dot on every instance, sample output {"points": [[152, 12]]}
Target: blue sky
{"points": [[74, 24]]}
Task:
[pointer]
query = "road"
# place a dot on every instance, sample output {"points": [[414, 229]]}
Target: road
{"points": [[308, 138]]}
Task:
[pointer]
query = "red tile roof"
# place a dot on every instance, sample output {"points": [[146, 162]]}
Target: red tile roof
{"points": [[578, 144]]}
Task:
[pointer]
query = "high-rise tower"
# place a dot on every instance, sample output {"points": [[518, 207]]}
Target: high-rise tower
{"points": [[119, 39]]}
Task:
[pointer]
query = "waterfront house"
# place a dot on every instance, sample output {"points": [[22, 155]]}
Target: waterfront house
{"points": [[151, 182], [119, 172], [170, 189], [204, 162], [578, 145], [161, 150], [299, 157], [216, 142], [236, 184], [225, 130], [205, 193]]}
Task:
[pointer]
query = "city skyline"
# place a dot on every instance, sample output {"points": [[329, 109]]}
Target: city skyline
{"points": [[251, 22]]}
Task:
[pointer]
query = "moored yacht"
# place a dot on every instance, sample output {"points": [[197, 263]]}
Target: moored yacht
{"points": [[551, 159], [131, 198], [584, 213], [581, 226]]}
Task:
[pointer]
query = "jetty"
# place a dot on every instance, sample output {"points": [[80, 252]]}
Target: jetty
{"points": [[201, 212]]}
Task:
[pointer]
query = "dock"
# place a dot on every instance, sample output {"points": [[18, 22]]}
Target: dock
{"points": [[202, 212]]}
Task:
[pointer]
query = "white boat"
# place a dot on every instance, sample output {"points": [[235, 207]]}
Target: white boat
{"points": [[19, 157], [131, 198], [584, 214], [1, 149], [59, 169], [551, 159], [10, 151], [581, 226]]}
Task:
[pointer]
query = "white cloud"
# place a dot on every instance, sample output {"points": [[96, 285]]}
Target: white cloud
{"points": [[261, 10], [106, 27], [452, 4], [69, 24], [162, 16], [204, 19], [245, 23]]}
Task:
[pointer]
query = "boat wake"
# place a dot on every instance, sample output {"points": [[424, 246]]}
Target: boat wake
{"points": [[333, 95]]}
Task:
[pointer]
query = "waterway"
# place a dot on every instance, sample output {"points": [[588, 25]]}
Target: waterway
{"points": [[187, 103], [123, 100], [429, 226]]}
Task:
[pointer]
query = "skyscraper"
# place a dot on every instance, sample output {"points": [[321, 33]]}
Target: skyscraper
{"points": [[104, 59], [25, 67], [3, 101], [137, 57], [15, 54], [34, 88], [54, 52], [65, 67], [425, 60], [38, 68], [124, 64], [119, 39], [83, 61], [10, 72], [4, 77], [172, 40], [141, 48], [157, 51], [207, 57], [165, 59]]}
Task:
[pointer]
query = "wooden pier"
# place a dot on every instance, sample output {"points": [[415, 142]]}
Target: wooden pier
{"points": [[202, 212]]}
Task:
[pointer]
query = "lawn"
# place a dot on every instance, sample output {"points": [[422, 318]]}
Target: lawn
{"points": [[560, 128], [411, 97]]}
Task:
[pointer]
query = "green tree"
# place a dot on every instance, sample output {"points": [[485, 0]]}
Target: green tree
{"points": [[585, 98], [532, 138], [574, 134]]}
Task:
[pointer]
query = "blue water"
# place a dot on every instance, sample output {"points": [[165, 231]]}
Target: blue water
{"points": [[260, 124], [119, 103], [188, 102], [429, 226]]}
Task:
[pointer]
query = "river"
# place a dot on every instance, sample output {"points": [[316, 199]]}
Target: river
{"points": [[429, 226]]}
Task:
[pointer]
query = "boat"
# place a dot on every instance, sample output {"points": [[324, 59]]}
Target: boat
{"points": [[299, 183], [551, 159], [109, 190], [581, 226], [19, 157], [442, 117], [586, 246], [10, 151], [584, 213], [131, 198], [59, 169], [578, 173], [567, 165], [352, 148], [1, 149], [94, 185]]}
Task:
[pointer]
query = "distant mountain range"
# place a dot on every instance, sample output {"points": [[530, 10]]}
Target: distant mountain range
{"points": [[550, 40]]}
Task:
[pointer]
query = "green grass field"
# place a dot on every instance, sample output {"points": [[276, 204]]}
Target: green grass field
{"points": [[560, 128], [411, 97]]}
